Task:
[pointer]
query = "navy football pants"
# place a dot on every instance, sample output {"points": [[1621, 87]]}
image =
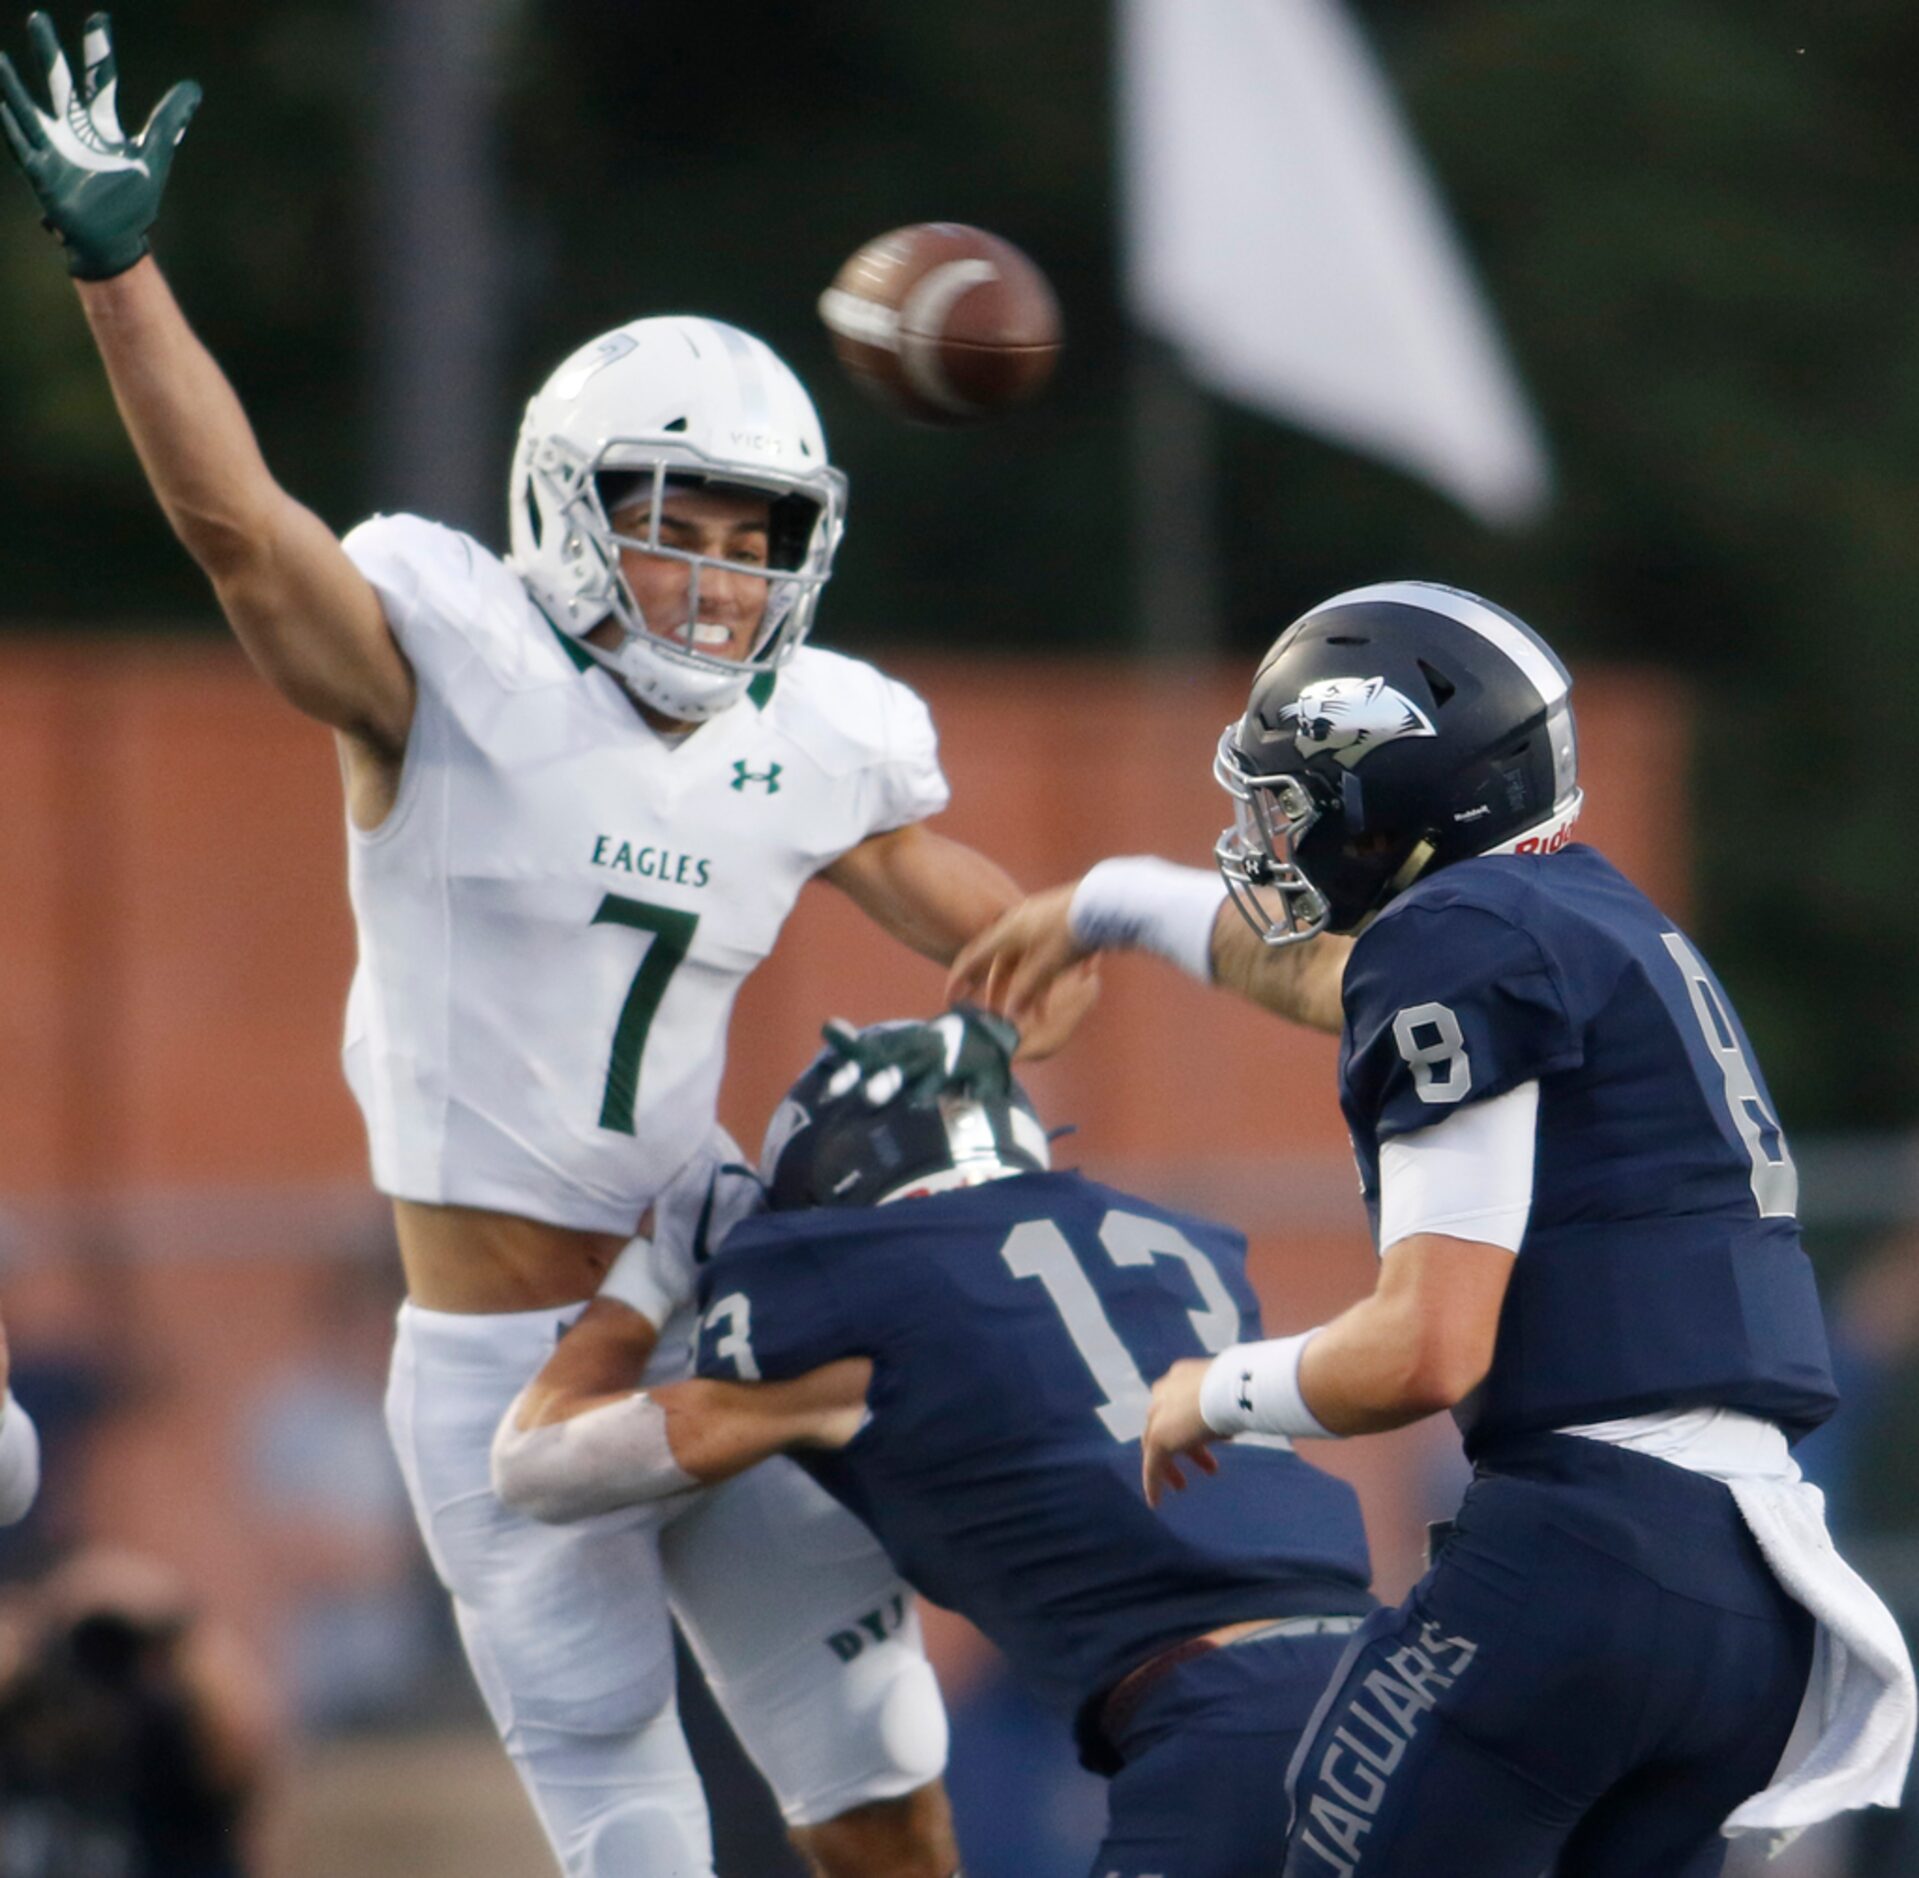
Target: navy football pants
{"points": [[1596, 1671], [1202, 1793]]}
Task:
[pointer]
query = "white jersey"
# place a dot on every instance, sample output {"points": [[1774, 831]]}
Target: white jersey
{"points": [[557, 914]]}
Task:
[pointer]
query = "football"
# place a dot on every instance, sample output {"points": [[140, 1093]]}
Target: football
{"points": [[947, 324]]}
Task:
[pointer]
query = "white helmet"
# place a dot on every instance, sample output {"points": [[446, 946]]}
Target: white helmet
{"points": [[652, 404]]}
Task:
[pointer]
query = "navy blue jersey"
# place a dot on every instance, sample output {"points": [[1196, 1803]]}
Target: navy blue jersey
{"points": [[1012, 1329], [1661, 1266]]}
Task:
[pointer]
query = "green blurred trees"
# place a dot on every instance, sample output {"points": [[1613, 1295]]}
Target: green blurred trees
{"points": [[1699, 223], [1696, 219]]}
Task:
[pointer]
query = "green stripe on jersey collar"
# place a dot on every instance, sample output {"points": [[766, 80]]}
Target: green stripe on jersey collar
{"points": [[760, 690], [582, 659]]}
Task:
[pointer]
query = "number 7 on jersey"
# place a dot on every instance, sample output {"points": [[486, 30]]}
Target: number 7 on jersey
{"points": [[672, 934]]}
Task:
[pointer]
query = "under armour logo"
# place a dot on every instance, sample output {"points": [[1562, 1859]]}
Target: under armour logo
{"points": [[768, 779], [1245, 1397]]}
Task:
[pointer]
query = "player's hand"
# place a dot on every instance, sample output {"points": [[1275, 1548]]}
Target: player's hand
{"points": [[964, 1048], [99, 189], [1013, 964], [1175, 1431], [1056, 1013]]}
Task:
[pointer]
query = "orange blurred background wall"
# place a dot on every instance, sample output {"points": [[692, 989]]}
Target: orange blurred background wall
{"points": [[175, 948]]}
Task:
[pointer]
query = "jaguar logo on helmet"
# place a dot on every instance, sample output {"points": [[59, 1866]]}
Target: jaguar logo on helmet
{"points": [[1352, 716]]}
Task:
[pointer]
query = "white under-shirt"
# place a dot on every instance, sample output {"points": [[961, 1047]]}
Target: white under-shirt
{"points": [[1471, 1177]]}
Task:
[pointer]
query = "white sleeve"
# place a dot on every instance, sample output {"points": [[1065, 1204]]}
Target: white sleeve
{"points": [[644, 1281], [19, 1461], [1469, 1177], [404, 560], [434, 585], [700, 1205], [909, 784]]}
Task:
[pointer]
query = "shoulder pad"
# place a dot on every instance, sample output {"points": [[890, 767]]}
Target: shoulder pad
{"points": [[847, 715], [442, 590], [1451, 1001]]}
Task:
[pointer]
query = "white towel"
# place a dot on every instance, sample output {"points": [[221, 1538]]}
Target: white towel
{"points": [[1861, 1694]]}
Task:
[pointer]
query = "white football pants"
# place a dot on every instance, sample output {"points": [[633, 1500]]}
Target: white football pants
{"points": [[806, 1634]]}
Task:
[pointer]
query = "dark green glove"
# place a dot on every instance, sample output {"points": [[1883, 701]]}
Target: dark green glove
{"points": [[966, 1052], [99, 189]]}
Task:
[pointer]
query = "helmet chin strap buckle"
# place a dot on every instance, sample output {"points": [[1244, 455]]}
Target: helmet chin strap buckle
{"points": [[691, 702], [1411, 868]]}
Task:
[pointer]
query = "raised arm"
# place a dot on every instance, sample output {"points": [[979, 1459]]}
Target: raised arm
{"points": [[305, 614], [1140, 903], [929, 892], [581, 1438], [1301, 982], [308, 618]]}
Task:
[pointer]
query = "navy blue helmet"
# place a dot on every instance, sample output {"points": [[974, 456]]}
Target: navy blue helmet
{"points": [[900, 1109], [1390, 731]]}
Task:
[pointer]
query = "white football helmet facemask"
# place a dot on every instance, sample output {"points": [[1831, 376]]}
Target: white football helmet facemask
{"points": [[651, 406]]}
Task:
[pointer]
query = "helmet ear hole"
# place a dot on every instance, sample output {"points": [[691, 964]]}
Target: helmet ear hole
{"points": [[790, 523], [623, 489], [1443, 688]]}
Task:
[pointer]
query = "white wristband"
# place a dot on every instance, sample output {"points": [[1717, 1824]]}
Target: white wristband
{"points": [[1139, 902], [19, 1461], [1253, 1388], [635, 1279]]}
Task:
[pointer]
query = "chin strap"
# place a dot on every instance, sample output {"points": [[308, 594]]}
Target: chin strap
{"points": [[1411, 868], [636, 685]]}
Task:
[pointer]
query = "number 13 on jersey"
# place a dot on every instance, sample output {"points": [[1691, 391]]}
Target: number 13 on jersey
{"points": [[1039, 1249]]}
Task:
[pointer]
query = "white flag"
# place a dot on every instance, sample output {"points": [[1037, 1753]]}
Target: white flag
{"points": [[1283, 234]]}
